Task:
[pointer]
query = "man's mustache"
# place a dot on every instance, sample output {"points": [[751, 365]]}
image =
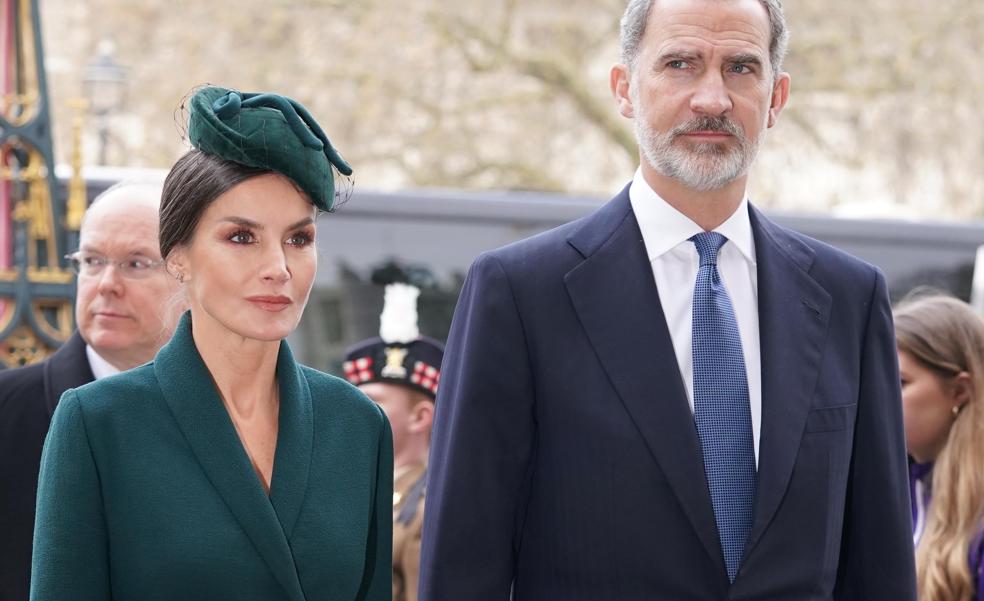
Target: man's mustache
{"points": [[706, 123]]}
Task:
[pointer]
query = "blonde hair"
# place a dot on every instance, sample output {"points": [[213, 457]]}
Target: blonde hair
{"points": [[947, 336]]}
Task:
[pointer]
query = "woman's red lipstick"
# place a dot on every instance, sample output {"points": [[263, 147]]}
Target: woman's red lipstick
{"points": [[271, 303]]}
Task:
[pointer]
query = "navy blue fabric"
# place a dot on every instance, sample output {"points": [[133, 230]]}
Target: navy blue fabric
{"points": [[565, 462], [721, 409]]}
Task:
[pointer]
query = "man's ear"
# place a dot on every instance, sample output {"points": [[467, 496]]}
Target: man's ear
{"points": [[422, 416], [780, 95], [620, 80]]}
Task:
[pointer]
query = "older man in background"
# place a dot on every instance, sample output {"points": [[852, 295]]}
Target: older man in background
{"points": [[126, 307]]}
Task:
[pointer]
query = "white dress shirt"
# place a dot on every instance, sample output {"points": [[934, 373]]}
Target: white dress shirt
{"points": [[99, 366], [674, 259]]}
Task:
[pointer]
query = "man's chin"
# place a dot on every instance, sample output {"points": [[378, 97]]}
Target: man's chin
{"points": [[108, 341], [702, 176]]}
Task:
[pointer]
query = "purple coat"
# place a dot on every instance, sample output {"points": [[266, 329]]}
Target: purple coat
{"points": [[921, 493]]}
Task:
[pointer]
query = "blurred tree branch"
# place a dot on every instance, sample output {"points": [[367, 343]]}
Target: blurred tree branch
{"points": [[551, 69]]}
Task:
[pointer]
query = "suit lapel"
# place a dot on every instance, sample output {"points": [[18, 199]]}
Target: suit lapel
{"points": [[789, 301], [195, 403], [67, 368], [615, 297]]}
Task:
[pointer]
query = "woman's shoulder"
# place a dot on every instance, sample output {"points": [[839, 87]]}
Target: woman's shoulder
{"points": [[334, 393], [119, 392]]}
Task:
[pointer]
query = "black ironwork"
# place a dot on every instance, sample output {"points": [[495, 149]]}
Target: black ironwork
{"points": [[36, 288]]}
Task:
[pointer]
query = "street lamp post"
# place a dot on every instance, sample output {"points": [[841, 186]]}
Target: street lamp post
{"points": [[104, 82]]}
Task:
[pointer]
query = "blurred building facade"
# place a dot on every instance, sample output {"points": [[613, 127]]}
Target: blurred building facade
{"points": [[39, 220]]}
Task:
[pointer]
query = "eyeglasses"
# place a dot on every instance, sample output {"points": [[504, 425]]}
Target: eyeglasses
{"points": [[134, 267]]}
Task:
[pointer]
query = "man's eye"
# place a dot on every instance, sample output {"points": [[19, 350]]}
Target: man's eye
{"points": [[93, 261], [678, 64], [740, 68], [138, 264], [241, 237]]}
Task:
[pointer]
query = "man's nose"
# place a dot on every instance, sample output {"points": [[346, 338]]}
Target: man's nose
{"points": [[711, 96], [110, 280]]}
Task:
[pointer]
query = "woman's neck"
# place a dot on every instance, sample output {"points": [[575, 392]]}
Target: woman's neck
{"points": [[244, 370]]}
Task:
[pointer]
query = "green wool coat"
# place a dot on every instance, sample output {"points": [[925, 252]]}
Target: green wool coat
{"points": [[147, 493]]}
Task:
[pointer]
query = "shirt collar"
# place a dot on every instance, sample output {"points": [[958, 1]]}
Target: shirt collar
{"points": [[663, 227], [100, 367]]}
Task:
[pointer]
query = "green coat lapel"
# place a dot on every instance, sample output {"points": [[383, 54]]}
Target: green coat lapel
{"points": [[190, 393], [295, 441]]}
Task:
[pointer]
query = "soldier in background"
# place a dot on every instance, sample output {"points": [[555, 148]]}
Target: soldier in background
{"points": [[400, 371]]}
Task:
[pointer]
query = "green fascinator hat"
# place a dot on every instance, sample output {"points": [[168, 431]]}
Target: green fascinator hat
{"points": [[267, 131]]}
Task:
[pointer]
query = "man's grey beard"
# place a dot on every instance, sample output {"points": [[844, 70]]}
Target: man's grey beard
{"points": [[703, 167]]}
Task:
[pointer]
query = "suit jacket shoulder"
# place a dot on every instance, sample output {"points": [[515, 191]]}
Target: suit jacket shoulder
{"points": [[851, 283], [819, 258], [43, 383], [21, 384], [555, 252]]}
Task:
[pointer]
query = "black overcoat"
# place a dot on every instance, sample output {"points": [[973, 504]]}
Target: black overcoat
{"points": [[28, 396]]}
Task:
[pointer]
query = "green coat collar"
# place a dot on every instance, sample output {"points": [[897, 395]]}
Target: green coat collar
{"points": [[192, 397]]}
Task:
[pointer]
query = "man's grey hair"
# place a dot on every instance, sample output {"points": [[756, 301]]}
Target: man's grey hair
{"points": [[636, 17]]}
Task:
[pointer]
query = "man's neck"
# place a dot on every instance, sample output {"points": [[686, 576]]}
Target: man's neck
{"points": [[102, 363], [708, 209], [412, 454]]}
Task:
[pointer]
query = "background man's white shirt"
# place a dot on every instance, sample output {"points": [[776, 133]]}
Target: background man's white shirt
{"points": [[100, 367]]}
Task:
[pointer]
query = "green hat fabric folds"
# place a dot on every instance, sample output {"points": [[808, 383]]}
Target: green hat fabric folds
{"points": [[267, 131]]}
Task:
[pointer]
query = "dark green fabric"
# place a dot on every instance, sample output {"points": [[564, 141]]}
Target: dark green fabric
{"points": [[267, 131], [146, 492]]}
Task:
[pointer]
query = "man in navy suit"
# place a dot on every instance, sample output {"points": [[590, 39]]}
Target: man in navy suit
{"points": [[125, 311], [673, 398]]}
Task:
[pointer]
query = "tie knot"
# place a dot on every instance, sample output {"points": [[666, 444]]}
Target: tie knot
{"points": [[708, 244]]}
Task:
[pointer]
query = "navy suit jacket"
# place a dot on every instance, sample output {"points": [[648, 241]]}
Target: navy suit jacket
{"points": [[565, 463], [28, 396]]}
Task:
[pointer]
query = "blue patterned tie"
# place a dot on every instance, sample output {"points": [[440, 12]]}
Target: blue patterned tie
{"points": [[721, 409]]}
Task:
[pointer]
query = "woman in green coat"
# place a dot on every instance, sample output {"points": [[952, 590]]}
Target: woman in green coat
{"points": [[223, 469]]}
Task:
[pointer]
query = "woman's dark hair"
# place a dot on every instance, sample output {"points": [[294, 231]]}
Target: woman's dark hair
{"points": [[193, 183]]}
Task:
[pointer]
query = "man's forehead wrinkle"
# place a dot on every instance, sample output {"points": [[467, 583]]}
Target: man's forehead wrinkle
{"points": [[729, 36], [696, 44], [120, 235], [740, 28], [118, 246]]}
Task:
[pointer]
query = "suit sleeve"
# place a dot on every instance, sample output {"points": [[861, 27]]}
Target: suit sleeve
{"points": [[483, 441], [377, 584], [877, 561], [71, 557]]}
